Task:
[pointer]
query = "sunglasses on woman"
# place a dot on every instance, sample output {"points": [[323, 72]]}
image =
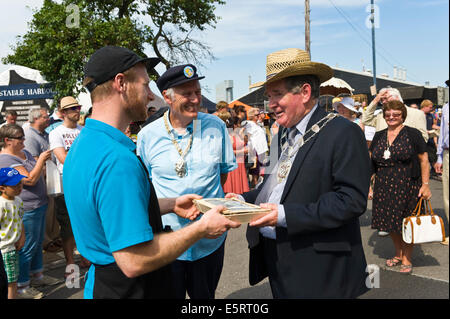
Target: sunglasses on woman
{"points": [[394, 115], [17, 137]]}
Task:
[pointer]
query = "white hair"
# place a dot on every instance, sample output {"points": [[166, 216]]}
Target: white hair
{"points": [[35, 113], [171, 93], [393, 92]]}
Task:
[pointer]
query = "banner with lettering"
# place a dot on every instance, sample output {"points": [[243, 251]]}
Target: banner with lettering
{"points": [[31, 91]]}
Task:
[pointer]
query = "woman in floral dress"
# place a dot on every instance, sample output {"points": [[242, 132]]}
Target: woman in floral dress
{"points": [[401, 167]]}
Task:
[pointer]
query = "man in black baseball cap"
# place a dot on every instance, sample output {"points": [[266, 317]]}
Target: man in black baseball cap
{"points": [[114, 73], [113, 208], [188, 150], [108, 61]]}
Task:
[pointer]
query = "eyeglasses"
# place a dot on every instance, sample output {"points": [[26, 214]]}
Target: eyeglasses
{"points": [[22, 138], [74, 108], [394, 115]]}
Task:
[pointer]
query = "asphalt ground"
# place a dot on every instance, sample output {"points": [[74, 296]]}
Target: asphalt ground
{"points": [[430, 278]]}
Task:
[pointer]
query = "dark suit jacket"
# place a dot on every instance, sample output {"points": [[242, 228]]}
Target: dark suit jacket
{"points": [[320, 254]]}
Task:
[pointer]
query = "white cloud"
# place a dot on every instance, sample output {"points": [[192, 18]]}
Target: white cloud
{"points": [[430, 3], [300, 3], [251, 26], [339, 3], [15, 22], [18, 14]]}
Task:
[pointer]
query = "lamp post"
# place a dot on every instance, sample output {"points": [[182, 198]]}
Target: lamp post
{"points": [[307, 31], [372, 20]]}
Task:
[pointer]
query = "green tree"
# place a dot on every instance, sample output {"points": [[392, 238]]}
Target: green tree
{"points": [[62, 35], [174, 22]]}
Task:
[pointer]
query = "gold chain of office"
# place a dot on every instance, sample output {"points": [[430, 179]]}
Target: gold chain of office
{"points": [[180, 165], [286, 164]]}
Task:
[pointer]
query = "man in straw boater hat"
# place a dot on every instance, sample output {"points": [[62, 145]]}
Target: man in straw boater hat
{"points": [[309, 245], [113, 207]]}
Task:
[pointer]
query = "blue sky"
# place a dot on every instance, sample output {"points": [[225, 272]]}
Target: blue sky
{"points": [[412, 34]]}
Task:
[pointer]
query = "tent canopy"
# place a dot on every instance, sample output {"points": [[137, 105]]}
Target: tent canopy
{"points": [[211, 106], [335, 86], [237, 102]]}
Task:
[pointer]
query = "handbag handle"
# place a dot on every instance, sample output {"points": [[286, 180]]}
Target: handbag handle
{"points": [[429, 209], [417, 210]]}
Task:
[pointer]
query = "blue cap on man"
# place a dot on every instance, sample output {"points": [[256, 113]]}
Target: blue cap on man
{"points": [[177, 75]]}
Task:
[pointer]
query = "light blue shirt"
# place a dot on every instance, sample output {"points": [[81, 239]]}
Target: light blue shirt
{"points": [[53, 126], [211, 154], [275, 196], [443, 136], [107, 194]]}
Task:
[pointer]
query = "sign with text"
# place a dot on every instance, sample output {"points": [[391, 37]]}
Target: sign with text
{"points": [[29, 91]]}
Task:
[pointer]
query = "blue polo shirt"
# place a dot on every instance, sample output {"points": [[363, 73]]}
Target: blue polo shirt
{"points": [[211, 154], [107, 194]]}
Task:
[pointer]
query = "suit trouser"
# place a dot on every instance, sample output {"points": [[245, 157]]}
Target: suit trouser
{"points": [[270, 255], [445, 181]]}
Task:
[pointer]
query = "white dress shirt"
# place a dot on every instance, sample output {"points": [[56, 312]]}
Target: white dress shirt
{"points": [[275, 196]]}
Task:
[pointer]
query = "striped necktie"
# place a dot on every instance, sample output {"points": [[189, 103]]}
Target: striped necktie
{"points": [[288, 135], [291, 135]]}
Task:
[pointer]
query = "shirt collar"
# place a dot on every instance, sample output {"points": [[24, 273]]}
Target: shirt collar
{"points": [[38, 132], [301, 126], [189, 128], [112, 132]]}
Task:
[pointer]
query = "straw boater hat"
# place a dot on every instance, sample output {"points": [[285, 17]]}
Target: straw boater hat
{"points": [[67, 102], [291, 62]]}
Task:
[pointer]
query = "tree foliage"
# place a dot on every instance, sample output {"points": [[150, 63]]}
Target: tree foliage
{"points": [[176, 44], [58, 45]]}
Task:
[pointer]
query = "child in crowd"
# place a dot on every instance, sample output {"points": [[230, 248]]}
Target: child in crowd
{"points": [[12, 232]]}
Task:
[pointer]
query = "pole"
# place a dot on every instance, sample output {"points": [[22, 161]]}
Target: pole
{"points": [[372, 19], [307, 35]]}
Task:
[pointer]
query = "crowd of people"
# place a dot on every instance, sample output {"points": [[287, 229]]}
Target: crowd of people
{"points": [[133, 173], [26, 148]]}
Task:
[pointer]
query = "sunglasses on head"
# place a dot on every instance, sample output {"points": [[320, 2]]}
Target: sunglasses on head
{"points": [[17, 137]]}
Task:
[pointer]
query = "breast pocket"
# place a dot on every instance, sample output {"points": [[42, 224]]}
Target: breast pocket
{"points": [[210, 154]]}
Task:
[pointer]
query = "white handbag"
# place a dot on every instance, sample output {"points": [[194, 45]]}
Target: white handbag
{"points": [[54, 179], [423, 228]]}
